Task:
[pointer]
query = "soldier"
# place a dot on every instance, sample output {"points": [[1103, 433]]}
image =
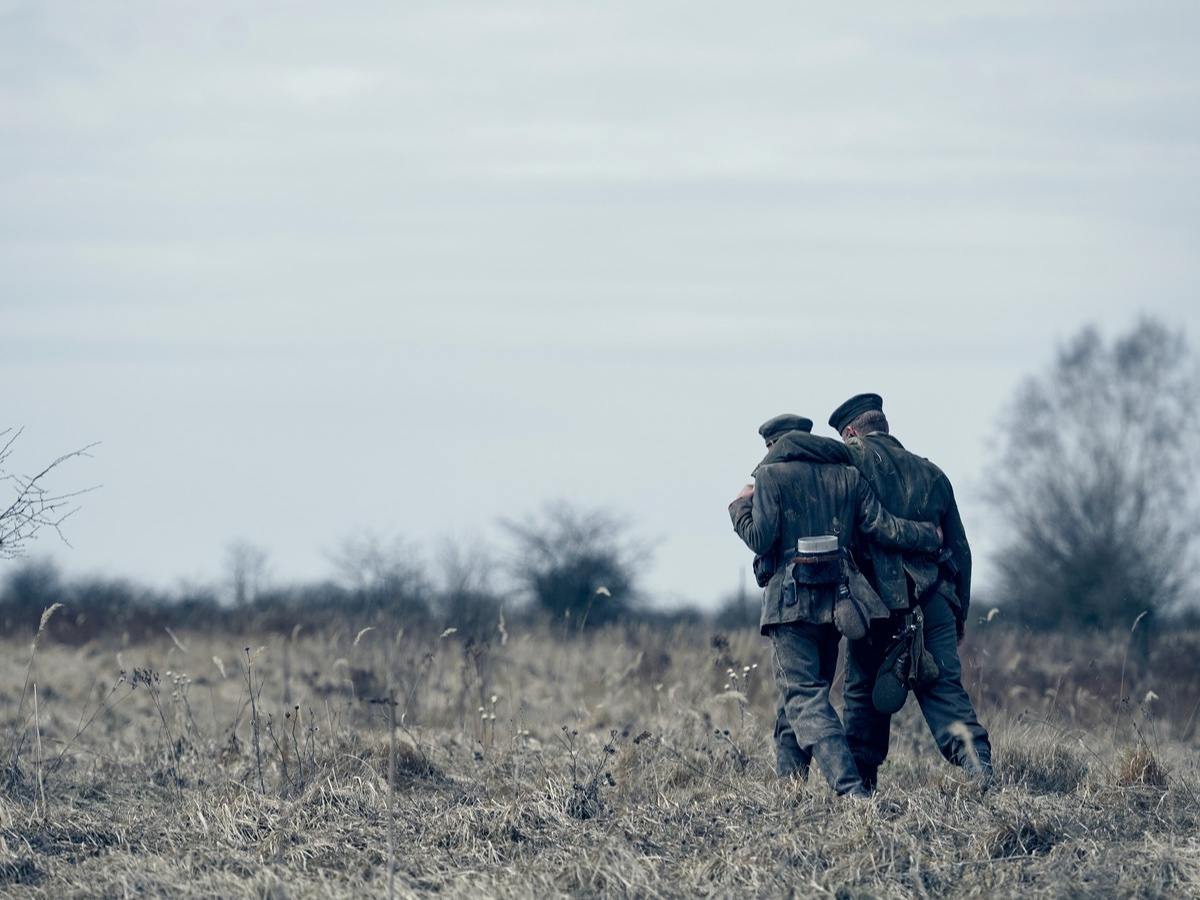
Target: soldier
{"points": [[939, 586], [811, 494], [791, 760]]}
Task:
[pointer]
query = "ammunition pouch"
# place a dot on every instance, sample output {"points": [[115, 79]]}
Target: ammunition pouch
{"points": [[816, 562], [788, 593], [764, 566], [818, 568]]}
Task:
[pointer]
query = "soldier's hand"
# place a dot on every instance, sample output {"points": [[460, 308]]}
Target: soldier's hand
{"points": [[748, 491], [941, 537], [960, 629]]}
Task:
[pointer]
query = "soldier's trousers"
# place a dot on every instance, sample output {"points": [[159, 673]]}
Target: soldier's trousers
{"points": [[790, 758], [804, 657], [944, 701]]}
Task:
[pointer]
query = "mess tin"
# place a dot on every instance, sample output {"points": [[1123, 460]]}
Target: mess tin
{"points": [[817, 560]]}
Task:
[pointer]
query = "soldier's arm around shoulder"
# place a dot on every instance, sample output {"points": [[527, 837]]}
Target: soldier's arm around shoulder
{"points": [[878, 525]]}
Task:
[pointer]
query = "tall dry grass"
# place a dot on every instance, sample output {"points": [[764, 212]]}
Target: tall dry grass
{"points": [[632, 762]]}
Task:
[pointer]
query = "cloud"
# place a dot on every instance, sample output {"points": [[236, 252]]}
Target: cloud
{"points": [[285, 232]]}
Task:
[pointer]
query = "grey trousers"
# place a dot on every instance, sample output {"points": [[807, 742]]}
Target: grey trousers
{"points": [[804, 657], [943, 701], [790, 758]]}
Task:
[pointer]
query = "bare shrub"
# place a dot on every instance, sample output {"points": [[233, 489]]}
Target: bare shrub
{"points": [[31, 504], [577, 565], [1139, 765], [1042, 768], [1024, 837]]}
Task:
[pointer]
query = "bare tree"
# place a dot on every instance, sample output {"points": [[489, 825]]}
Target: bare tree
{"points": [[247, 568], [383, 574], [468, 599], [1096, 481], [32, 504], [574, 562]]}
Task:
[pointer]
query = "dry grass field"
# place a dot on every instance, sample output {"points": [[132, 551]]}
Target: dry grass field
{"points": [[630, 762]]}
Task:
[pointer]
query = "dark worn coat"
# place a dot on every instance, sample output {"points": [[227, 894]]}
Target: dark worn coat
{"points": [[806, 495], [911, 486]]}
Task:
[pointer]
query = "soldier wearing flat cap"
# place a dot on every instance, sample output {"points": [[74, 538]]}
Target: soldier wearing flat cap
{"points": [[775, 428], [790, 758], [912, 487], [812, 493]]}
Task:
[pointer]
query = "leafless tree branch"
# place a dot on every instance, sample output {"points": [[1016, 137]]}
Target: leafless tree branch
{"points": [[33, 505]]}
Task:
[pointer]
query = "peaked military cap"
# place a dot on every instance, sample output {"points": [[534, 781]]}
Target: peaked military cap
{"points": [[773, 429], [853, 408]]}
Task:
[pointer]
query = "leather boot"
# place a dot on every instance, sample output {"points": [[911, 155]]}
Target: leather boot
{"points": [[869, 775], [838, 766]]}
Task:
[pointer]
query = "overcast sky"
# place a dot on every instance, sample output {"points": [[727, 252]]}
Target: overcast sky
{"points": [[310, 269]]}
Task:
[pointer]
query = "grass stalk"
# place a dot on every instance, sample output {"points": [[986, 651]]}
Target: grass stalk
{"points": [[391, 795], [18, 736], [37, 753], [254, 723]]}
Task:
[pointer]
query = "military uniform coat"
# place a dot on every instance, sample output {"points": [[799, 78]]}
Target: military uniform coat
{"points": [[911, 486], [805, 495]]}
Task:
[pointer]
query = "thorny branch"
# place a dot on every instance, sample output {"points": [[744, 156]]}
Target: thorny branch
{"points": [[33, 506]]}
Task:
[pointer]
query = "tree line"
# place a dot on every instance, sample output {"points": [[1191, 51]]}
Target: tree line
{"points": [[1093, 480], [572, 568]]}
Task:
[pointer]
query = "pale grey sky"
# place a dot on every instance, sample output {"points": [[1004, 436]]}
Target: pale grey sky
{"points": [[311, 268]]}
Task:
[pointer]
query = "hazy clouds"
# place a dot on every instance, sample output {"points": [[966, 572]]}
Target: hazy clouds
{"points": [[307, 267]]}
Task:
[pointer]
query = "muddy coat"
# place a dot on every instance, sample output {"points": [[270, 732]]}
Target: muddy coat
{"points": [[806, 495], [911, 486]]}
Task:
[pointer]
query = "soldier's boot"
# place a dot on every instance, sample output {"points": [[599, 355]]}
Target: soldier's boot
{"points": [[986, 779], [979, 768], [790, 763], [838, 766], [976, 761], [869, 775], [791, 760]]}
